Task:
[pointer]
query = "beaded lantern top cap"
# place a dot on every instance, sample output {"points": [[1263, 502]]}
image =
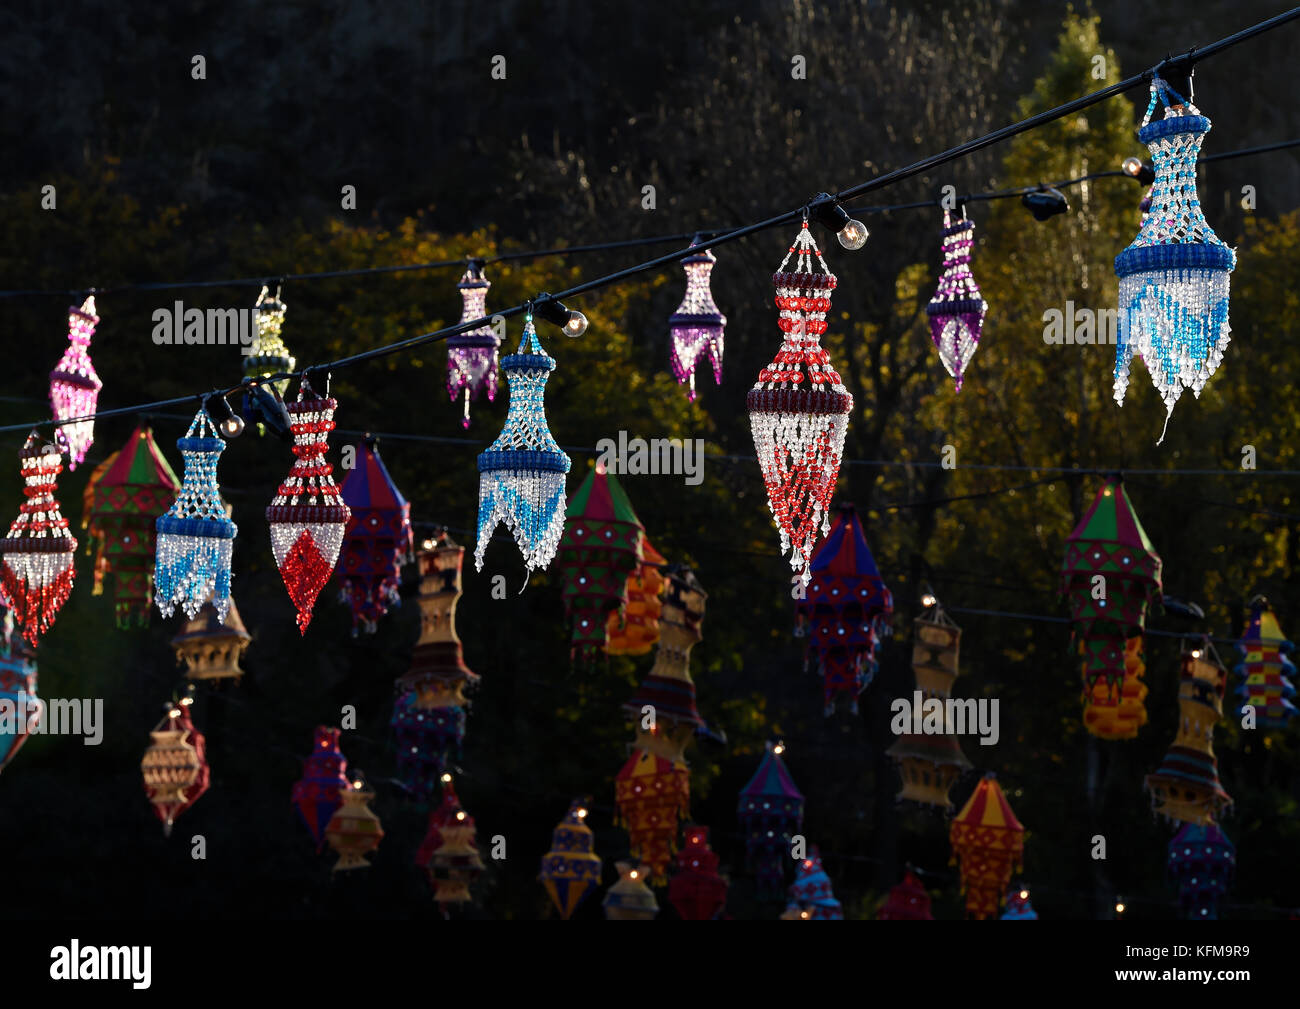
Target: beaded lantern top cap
{"points": [[957, 309], [1173, 292]]}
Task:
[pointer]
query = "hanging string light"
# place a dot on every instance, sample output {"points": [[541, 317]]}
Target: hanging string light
{"points": [[74, 385], [1173, 278], [522, 473], [697, 326], [571, 869], [38, 571], [307, 535], [267, 355], [799, 408], [957, 309], [196, 536], [1265, 669], [472, 355], [175, 766], [377, 540]]}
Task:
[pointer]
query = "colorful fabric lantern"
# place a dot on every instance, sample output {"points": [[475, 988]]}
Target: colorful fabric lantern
{"points": [[175, 766], [377, 540], [1185, 787], [319, 793], [448, 852], [844, 611], [210, 649], [930, 762], [907, 901], [74, 385], [1111, 577], [472, 355], [696, 891], [653, 788], [127, 497], [1173, 278], [636, 629], [196, 536], [987, 842], [799, 408], [697, 326], [521, 480], [957, 309], [1018, 906], [267, 355], [429, 717], [571, 869], [811, 891], [1115, 714], [1202, 862], [1265, 669], [599, 550], [306, 536], [20, 708], [630, 899], [354, 830], [37, 574], [770, 813]]}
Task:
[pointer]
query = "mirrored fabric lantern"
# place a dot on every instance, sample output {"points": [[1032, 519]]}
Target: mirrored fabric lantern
{"points": [[696, 891], [770, 813], [319, 793], [988, 842], [811, 891], [1202, 862], [377, 540], [907, 901], [1115, 714], [74, 385], [636, 629], [449, 853], [571, 869], [1266, 669], [1018, 906]]}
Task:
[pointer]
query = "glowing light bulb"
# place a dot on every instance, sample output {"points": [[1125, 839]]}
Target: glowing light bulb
{"points": [[928, 600], [446, 778], [1024, 894], [1119, 908], [853, 235], [1196, 653], [232, 427], [428, 544], [577, 324], [175, 713], [1132, 166], [582, 814], [634, 874], [460, 815], [779, 749]]}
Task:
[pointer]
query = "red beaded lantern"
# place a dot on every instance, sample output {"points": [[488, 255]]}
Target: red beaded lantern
{"points": [[799, 407], [307, 516], [37, 574]]}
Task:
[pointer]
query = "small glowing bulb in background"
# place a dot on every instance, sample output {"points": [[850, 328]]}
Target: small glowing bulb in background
{"points": [[803, 914], [779, 749], [928, 600], [582, 814], [633, 874], [577, 324], [357, 784], [1119, 907], [853, 235], [1196, 653], [460, 814], [1024, 894], [175, 713], [428, 544], [446, 778]]}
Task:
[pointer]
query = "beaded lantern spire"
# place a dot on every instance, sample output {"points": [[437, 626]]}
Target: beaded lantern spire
{"points": [[799, 408], [267, 355], [377, 541], [472, 355], [196, 536], [74, 386], [521, 480], [307, 516], [957, 309], [697, 326], [38, 571], [1173, 278], [175, 766]]}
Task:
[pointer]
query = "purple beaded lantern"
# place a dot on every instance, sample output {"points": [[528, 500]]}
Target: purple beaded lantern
{"points": [[957, 310], [697, 325], [472, 356], [74, 386]]}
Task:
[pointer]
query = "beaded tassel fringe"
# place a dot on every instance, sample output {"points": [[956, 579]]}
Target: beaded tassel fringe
{"points": [[37, 574], [196, 537], [521, 480]]}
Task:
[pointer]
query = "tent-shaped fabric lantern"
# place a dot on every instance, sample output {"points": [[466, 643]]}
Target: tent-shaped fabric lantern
{"points": [[988, 842], [1018, 906], [1202, 862], [907, 901], [600, 549], [696, 891], [126, 499], [571, 869], [770, 813], [319, 793], [377, 540], [811, 891], [844, 611], [1265, 669]]}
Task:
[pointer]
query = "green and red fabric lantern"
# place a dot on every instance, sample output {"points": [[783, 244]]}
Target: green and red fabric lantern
{"points": [[126, 496], [571, 869], [1111, 578], [811, 891], [599, 549], [770, 814], [1265, 669], [17, 692], [907, 901], [988, 842], [377, 540], [319, 794], [696, 891], [1202, 862], [845, 611]]}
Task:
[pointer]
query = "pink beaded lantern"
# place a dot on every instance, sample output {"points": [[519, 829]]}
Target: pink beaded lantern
{"points": [[799, 408], [74, 386], [472, 356], [37, 574], [308, 516], [957, 309], [697, 325]]}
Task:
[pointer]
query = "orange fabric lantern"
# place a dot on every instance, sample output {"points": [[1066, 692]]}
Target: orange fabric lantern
{"points": [[988, 842]]}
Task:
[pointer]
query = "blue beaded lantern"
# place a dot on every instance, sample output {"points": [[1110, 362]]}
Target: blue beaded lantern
{"points": [[428, 740], [1173, 279], [196, 536], [521, 480], [1201, 861]]}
